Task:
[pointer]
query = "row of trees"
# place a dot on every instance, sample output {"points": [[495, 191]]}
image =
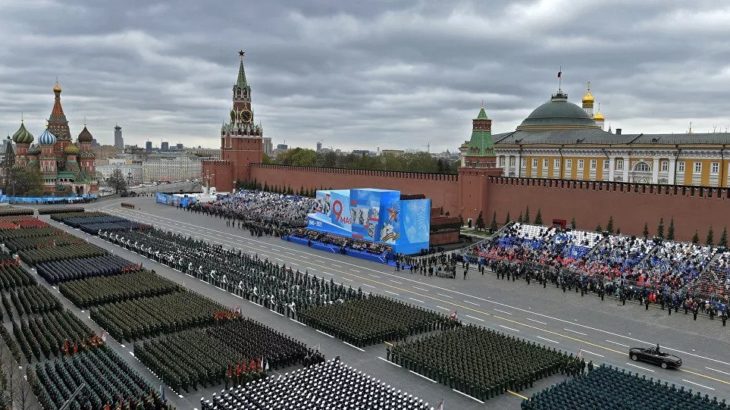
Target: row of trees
{"points": [[709, 239], [409, 162], [279, 189]]}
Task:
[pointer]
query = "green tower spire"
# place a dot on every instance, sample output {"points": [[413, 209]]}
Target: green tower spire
{"points": [[241, 82], [481, 143]]}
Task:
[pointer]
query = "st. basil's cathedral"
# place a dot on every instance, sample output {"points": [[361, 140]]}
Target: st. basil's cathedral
{"points": [[66, 167]]}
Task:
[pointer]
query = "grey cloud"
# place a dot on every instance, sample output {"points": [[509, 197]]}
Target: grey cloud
{"points": [[359, 74]]}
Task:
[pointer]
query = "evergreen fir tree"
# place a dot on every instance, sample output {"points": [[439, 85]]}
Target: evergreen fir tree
{"points": [[572, 223], [710, 237], [507, 219], [538, 217], [526, 219], [520, 219], [695, 238], [609, 225], [646, 230], [599, 228], [493, 226], [670, 231], [480, 221], [723, 238], [660, 229]]}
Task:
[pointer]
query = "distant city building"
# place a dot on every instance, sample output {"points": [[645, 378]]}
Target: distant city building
{"points": [[148, 146], [118, 140], [132, 170], [396, 152], [179, 147], [179, 168], [268, 146], [319, 146], [282, 147], [165, 146], [361, 152]]}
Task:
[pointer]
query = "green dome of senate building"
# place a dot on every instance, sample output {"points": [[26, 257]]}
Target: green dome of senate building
{"points": [[558, 113]]}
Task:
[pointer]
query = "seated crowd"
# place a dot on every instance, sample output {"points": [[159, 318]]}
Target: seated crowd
{"points": [[655, 270], [341, 241], [265, 208]]}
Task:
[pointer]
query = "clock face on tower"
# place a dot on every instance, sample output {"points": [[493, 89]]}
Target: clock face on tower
{"points": [[245, 115]]}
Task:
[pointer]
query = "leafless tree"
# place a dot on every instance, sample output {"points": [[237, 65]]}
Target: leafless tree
{"points": [[24, 394]]}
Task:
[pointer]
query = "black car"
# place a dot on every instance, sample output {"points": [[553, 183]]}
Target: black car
{"points": [[654, 356]]}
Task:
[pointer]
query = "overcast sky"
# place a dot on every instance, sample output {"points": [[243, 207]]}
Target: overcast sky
{"points": [[396, 74]]}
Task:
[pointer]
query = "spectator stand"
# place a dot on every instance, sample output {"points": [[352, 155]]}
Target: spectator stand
{"points": [[344, 246]]}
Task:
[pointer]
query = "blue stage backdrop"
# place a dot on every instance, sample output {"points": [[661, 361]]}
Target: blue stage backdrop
{"points": [[374, 215]]}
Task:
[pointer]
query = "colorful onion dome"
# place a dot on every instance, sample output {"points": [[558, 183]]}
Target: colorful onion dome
{"points": [[46, 138], [22, 135], [71, 149], [85, 135]]}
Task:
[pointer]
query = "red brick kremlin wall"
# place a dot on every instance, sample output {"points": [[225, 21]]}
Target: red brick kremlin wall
{"points": [[631, 205], [590, 202], [442, 189]]}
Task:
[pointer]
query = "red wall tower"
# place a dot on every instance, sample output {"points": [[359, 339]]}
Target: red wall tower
{"points": [[241, 140]]}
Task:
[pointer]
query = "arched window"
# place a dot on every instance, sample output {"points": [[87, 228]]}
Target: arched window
{"points": [[642, 167]]}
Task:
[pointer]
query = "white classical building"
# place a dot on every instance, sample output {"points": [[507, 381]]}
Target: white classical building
{"points": [[178, 168]]}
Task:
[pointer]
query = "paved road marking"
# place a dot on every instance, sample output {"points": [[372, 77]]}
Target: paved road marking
{"points": [[704, 375], [421, 289], [445, 296], [336, 265], [639, 367], [471, 303], [502, 311], [594, 354], [617, 343], [369, 285], [296, 321], [420, 375], [276, 313], [355, 270], [475, 318], [443, 308], [326, 334], [536, 321], [548, 340], [373, 276], [417, 300], [518, 395], [508, 328], [574, 331], [388, 361], [392, 293], [353, 346], [719, 371], [132, 353], [395, 281], [697, 384], [464, 394]]}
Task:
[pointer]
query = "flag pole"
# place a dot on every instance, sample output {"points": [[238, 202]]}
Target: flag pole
{"points": [[560, 78]]}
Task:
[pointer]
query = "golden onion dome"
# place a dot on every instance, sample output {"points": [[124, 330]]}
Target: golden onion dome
{"points": [[598, 117], [588, 97], [71, 149], [57, 87]]}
